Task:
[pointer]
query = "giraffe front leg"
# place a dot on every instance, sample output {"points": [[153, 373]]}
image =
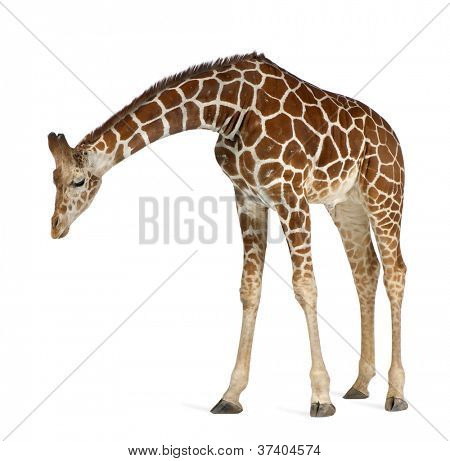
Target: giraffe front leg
{"points": [[297, 228], [253, 221]]}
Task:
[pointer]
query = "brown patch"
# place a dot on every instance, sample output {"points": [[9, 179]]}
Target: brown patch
{"points": [[293, 105], [110, 139], [314, 117], [268, 172], [247, 167], [356, 112], [330, 108], [244, 65], [282, 211], [119, 154], [297, 221], [193, 115], [266, 104], [154, 130], [328, 153], [349, 163], [290, 197], [279, 128], [371, 131], [228, 75], [321, 175], [308, 138], [317, 92], [175, 119], [344, 119], [252, 76], [225, 113], [334, 170], [227, 160], [170, 98], [209, 91], [148, 112], [292, 81], [340, 138], [230, 125], [384, 154], [293, 155], [100, 145], [126, 127], [370, 169], [297, 183], [276, 87], [387, 170], [245, 96], [136, 143], [190, 88], [383, 185], [251, 128], [382, 134], [269, 69], [209, 114], [288, 174], [355, 140], [391, 141], [376, 118], [274, 192], [305, 94], [230, 92], [267, 148]]}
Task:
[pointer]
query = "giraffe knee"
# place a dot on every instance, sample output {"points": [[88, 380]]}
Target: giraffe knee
{"points": [[394, 281], [305, 291], [396, 272], [250, 297]]}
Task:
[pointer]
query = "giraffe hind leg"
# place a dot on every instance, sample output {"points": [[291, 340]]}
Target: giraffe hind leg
{"points": [[350, 217], [382, 186]]}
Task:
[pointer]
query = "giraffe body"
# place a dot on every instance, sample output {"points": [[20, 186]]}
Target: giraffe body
{"points": [[284, 143]]}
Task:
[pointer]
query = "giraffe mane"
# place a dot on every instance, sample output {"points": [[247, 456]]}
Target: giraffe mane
{"points": [[163, 84]]}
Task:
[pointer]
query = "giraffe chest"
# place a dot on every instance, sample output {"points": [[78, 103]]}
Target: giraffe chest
{"points": [[262, 181]]}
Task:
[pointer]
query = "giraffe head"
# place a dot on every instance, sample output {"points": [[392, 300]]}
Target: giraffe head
{"points": [[76, 184]]}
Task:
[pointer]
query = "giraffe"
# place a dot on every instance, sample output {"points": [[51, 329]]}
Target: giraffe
{"points": [[285, 144]]}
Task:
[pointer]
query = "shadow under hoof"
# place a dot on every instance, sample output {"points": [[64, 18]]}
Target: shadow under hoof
{"points": [[353, 393], [395, 404], [320, 410], [226, 408]]}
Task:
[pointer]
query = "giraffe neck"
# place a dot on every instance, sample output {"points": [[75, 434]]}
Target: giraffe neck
{"points": [[214, 100]]}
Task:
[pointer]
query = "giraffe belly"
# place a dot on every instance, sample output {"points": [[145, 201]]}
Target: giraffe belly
{"points": [[331, 194]]}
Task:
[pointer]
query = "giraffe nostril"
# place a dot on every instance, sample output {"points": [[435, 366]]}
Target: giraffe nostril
{"points": [[55, 221]]}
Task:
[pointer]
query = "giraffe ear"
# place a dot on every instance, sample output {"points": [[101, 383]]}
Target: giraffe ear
{"points": [[58, 146]]}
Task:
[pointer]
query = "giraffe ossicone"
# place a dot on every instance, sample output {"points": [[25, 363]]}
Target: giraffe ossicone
{"points": [[285, 144]]}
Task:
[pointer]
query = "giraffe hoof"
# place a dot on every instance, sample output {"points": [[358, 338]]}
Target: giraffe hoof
{"points": [[320, 410], [395, 404], [226, 408], [353, 393]]}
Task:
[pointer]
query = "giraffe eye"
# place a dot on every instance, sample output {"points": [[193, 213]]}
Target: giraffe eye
{"points": [[78, 183]]}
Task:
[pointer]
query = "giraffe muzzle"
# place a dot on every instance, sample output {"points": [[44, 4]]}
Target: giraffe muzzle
{"points": [[59, 228]]}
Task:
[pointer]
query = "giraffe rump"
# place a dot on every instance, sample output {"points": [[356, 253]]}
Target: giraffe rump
{"points": [[163, 84]]}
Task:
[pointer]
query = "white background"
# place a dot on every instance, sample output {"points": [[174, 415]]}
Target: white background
{"points": [[155, 379]]}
